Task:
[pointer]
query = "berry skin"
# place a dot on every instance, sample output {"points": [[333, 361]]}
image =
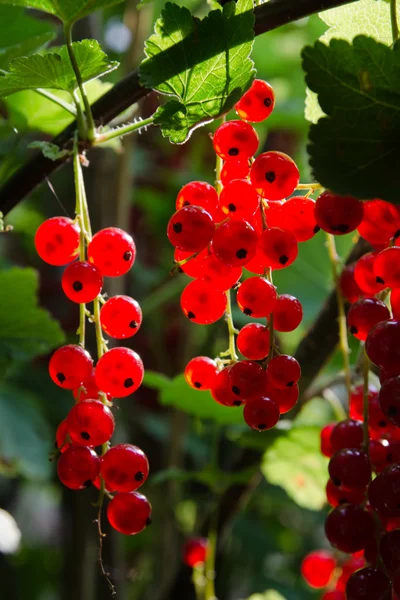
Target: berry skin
{"points": [[389, 399], [129, 512], [191, 229], [121, 317], [247, 380], [297, 216], [338, 214], [257, 103], [199, 193], [78, 467], [235, 140], [235, 243], [61, 436], [274, 175], [283, 371], [325, 437], [278, 248], [348, 285], [82, 282], [357, 399], [368, 584], [88, 390], [337, 495], [203, 304], [386, 267], [195, 552], [239, 199], [261, 414], [113, 251], [234, 169], [221, 390], [381, 222], [288, 313], [192, 267], [119, 372], [382, 346], [256, 297], [317, 568], [69, 366], [349, 528], [395, 303], [285, 399], [333, 595], [389, 550], [384, 492], [364, 314], [350, 468], [253, 341], [217, 274], [364, 274], [347, 434], [57, 241], [124, 468], [200, 373], [90, 423]]}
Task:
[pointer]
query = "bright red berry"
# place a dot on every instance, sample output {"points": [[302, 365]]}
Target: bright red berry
{"points": [[82, 282], [286, 399], [317, 568], [235, 243], [62, 443], [347, 434], [381, 222], [364, 274], [57, 241], [253, 341], [350, 468], [78, 467], [129, 512], [191, 267], [296, 215], [90, 423], [234, 169], [278, 248], [124, 468], [257, 103], [119, 372], [368, 583], [348, 285], [338, 214], [200, 373], [247, 380], [88, 390], [382, 346], [357, 399], [274, 175], [283, 371], [256, 297], [261, 414], [364, 314], [333, 595], [113, 251], [387, 267], [235, 140], [69, 366], [288, 313], [195, 551], [199, 193], [191, 229], [202, 303], [121, 317], [219, 275], [325, 437], [349, 528], [239, 199], [221, 390]]}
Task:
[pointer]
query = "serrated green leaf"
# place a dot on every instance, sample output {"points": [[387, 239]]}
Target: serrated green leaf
{"points": [[67, 11], [26, 330], [32, 44], [50, 150], [53, 70], [205, 65], [295, 463], [355, 149]]}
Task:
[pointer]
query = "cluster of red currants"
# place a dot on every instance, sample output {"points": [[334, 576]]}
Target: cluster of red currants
{"points": [[118, 373]]}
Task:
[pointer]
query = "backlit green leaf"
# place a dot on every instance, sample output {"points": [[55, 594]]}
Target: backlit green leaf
{"points": [[66, 10]]}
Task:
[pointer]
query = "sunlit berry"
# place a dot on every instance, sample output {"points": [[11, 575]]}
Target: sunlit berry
{"points": [[274, 175], [81, 282], [57, 241], [78, 467], [239, 199], [257, 103], [288, 313], [200, 372], [235, 243], [69, 366], [121, 317], [119, 372], [247, 380], [278, 248], [124, 468], [203, 304], [191, 229], [199, 193], [253, 341], [387, 267], [113, 251], [317, 568], [256, 297], [90, 423], [261, 413], [234, 169], [283, 371], [129, 512], [235, 140], [195, 551]]}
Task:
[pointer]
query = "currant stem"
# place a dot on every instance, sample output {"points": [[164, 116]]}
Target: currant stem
{"points": [[394, 22], [231, 328], [79, 209], [210, 561], [343, 339], [309, 186], [123, 130], [366, 401]]}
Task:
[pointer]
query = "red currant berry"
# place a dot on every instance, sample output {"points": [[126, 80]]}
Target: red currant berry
{"points": [[203, 304], [256, 297], [78, 467], [119, 372], [389, 550], [88, 390], [239, 199], [253, 341], [347, 434], [350, 468], [247, 379], [396, 587], [333, 595], [70, 366], [364, 314], [364, 274], [384, 494], [278, 248], [90, 423], [325, 437], [274, 175], [257, 103], [221, 390], [379, 451], [389, 399], [367, 584], [395, 303], [386, 267], [219, 275], [81, 282], [113, 251], [337, 495], [199, 193], [261, 414], [124, 468], [348, 285], [357, 401], [297, 216], [129, 512], [191, 228], [121, 317], [195, 552], [285, 399], [349, 528], [235, 243], [234, 169], [191, 267], [200, 373], [382, 346], [235, 140], [317, 568], [349, 567], [62, 443], [380, 223], [338, 214], [283, 371], [288, 313], [57, 241]]}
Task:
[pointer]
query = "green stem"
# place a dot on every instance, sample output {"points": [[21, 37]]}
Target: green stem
{"points": [[91, 128], [393, 19], [79, 209], [209, 592], [366, 401], [231, 327], [66, 105], [343, 339], [102, 138], [80, 117], [309, 186]]}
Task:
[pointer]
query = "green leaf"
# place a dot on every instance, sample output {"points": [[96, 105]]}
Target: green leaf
{"points": [[49, 150], [156, 381], [295, 463], [317, 412], [24, 48], [53, 70], [17, 26], [209, 476], [354, 150], [268, 595], [204, 65], [67, 11], [26, 330]]}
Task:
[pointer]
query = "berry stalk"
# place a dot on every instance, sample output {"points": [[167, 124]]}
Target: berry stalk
{"points": [[82, 247]]}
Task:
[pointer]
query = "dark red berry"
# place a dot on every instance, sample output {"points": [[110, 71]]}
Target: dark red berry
{"points": [[288, 313], [257, 103], [253, 341], [191, 228], [129, 512], [90, 423], [368, 584], [338, 214], [317, 568], [348, 285], [389, 550], [382, 346], [235, 140], [78, 467], [364, 274], [286, 398], [349, 528], [82, 282], [247, 380], [69, 366], [113, 251], [57, 241], [256, 297], [278, 248], [235, 243], [350, 468], [200, 373], [124, 468], [325, 437], [274, 175], [283, 371], [221, 390], [395, 303], [202, 303], [261, 414], [389, 399], [347, 434], [364, 314], [338, 495], [119, 372], [62, 442], [195, 551], [357, 400], [121, 317]]}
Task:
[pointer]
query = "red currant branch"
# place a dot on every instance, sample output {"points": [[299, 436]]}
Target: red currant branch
{"points": [[139, 125]]}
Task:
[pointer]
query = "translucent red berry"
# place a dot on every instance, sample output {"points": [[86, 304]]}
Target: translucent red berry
{"points": [[325, 437], [317, 568], [387, 267], [283, 371], [199, 193], [124, 468], [200, 373], [333, 595], [235, 140], [381, 222], [253, 341], [256, 297], [364, 274], [234, 169], [219, 275], [382, 346], [202, 303], [296, 215], [286, 398], [368, 583], [347, 434], [247, 380], [191, 267], [119, 372], [88, 389], [70, 366], [191, 228], [113, 251], [62, 442], [349, 528], [257, 103], [357, 399], [337, 495], [82, 282], [57, 241], [90, 423], [121, 317], [261, 413], [338, 214], [288, 313], [129, 512], [364, 314], [389, 399], [235, 243], [221, 390], [274, 175], [348, 285], [78, 467], [239, 199], [350, 468], [195, 551], [278, 248]]}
